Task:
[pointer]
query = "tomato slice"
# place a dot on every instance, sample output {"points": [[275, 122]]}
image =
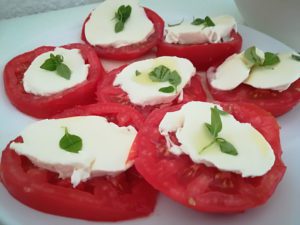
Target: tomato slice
{"points": [[106, 93], [207, 188], [135, 50], [275, 102], [203, 55], [105, 198], [47, 106]]}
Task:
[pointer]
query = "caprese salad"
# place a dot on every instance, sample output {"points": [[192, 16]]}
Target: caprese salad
{"points": [[264, 78]]}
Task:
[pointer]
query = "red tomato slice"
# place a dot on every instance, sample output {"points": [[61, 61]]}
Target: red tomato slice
{"points": [[107, 198], [106, 93], [202, 55], [207, 188], [135, 50], [275, 102], [47, 106]]}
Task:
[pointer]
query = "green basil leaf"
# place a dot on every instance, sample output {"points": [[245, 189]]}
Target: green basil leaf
{"points": [[208, 22], [251, 56], [209, 128], [160, 74], [270, 59], [221, 112], [176, 24], [64, 71], [174, 78], [296, 57], [70, 142], [226, 147], [137, 73], [119, 26], [168, 89], [49, 65], [198, 21], [216, 123]]}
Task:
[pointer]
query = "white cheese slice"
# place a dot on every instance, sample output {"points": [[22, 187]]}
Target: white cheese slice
{"points": [[104, 152], [142, 90], [42, 82], [186, 33], [255, 155], [230, 74], [100, 28], [278, 77]]}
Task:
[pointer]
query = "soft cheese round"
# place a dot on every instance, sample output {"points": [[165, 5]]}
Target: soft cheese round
{"points": [[100, 28], [42, 82], [142, 91], [186, 33], [255, 155], [105, 147]]}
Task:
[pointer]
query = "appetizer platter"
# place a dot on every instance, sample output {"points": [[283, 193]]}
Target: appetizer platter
{"points": [[177, 121]]}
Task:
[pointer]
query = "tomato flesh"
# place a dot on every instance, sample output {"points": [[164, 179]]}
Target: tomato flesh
{"points": [[106, 198], [47, 106], [107, 93], [207, 188], [275, 102], [203, 55], [132, 51]]}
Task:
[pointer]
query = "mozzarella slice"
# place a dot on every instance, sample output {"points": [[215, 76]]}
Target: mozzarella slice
{"points": [[42, 82], [142, 91], [100, 28], [186, 33], [230, 74], [278, 77], [105, 147], [188, 123]]}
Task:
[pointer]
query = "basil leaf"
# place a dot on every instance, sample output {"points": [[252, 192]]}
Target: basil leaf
{"points": [[122, 14], [270, 59], [160, 74], [221, 112], [198, 21], [176, 24], [174, 78], [251, 56], [119, 26], [70, 142], [216, 123], [209, 128], [64, 71], [49, 65], [208, 22], [168, 89], [226, 147], [137, 73], [296, 57]]}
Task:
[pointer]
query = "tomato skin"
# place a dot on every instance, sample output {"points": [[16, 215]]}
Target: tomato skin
{"points": [[275, 102], [202, 55], [135, 50], [125, 196], [107, 93], [47, 106], [207, 188]]}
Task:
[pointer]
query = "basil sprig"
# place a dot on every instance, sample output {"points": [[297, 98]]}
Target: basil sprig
{"points": [[206, 22], [70, 142], [162, 74], [270, 58], [214, 129], [122, 14], [176, 24], [296, 57], [55, 63]]}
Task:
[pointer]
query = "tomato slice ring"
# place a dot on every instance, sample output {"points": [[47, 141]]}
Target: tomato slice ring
{"points": [[207, 188], [47, 106], [107, 93], [125, 196], [135, 50], [203, 55], [275, 102]]}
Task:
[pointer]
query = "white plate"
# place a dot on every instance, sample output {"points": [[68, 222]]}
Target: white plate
{"points": [[282, 208]]}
